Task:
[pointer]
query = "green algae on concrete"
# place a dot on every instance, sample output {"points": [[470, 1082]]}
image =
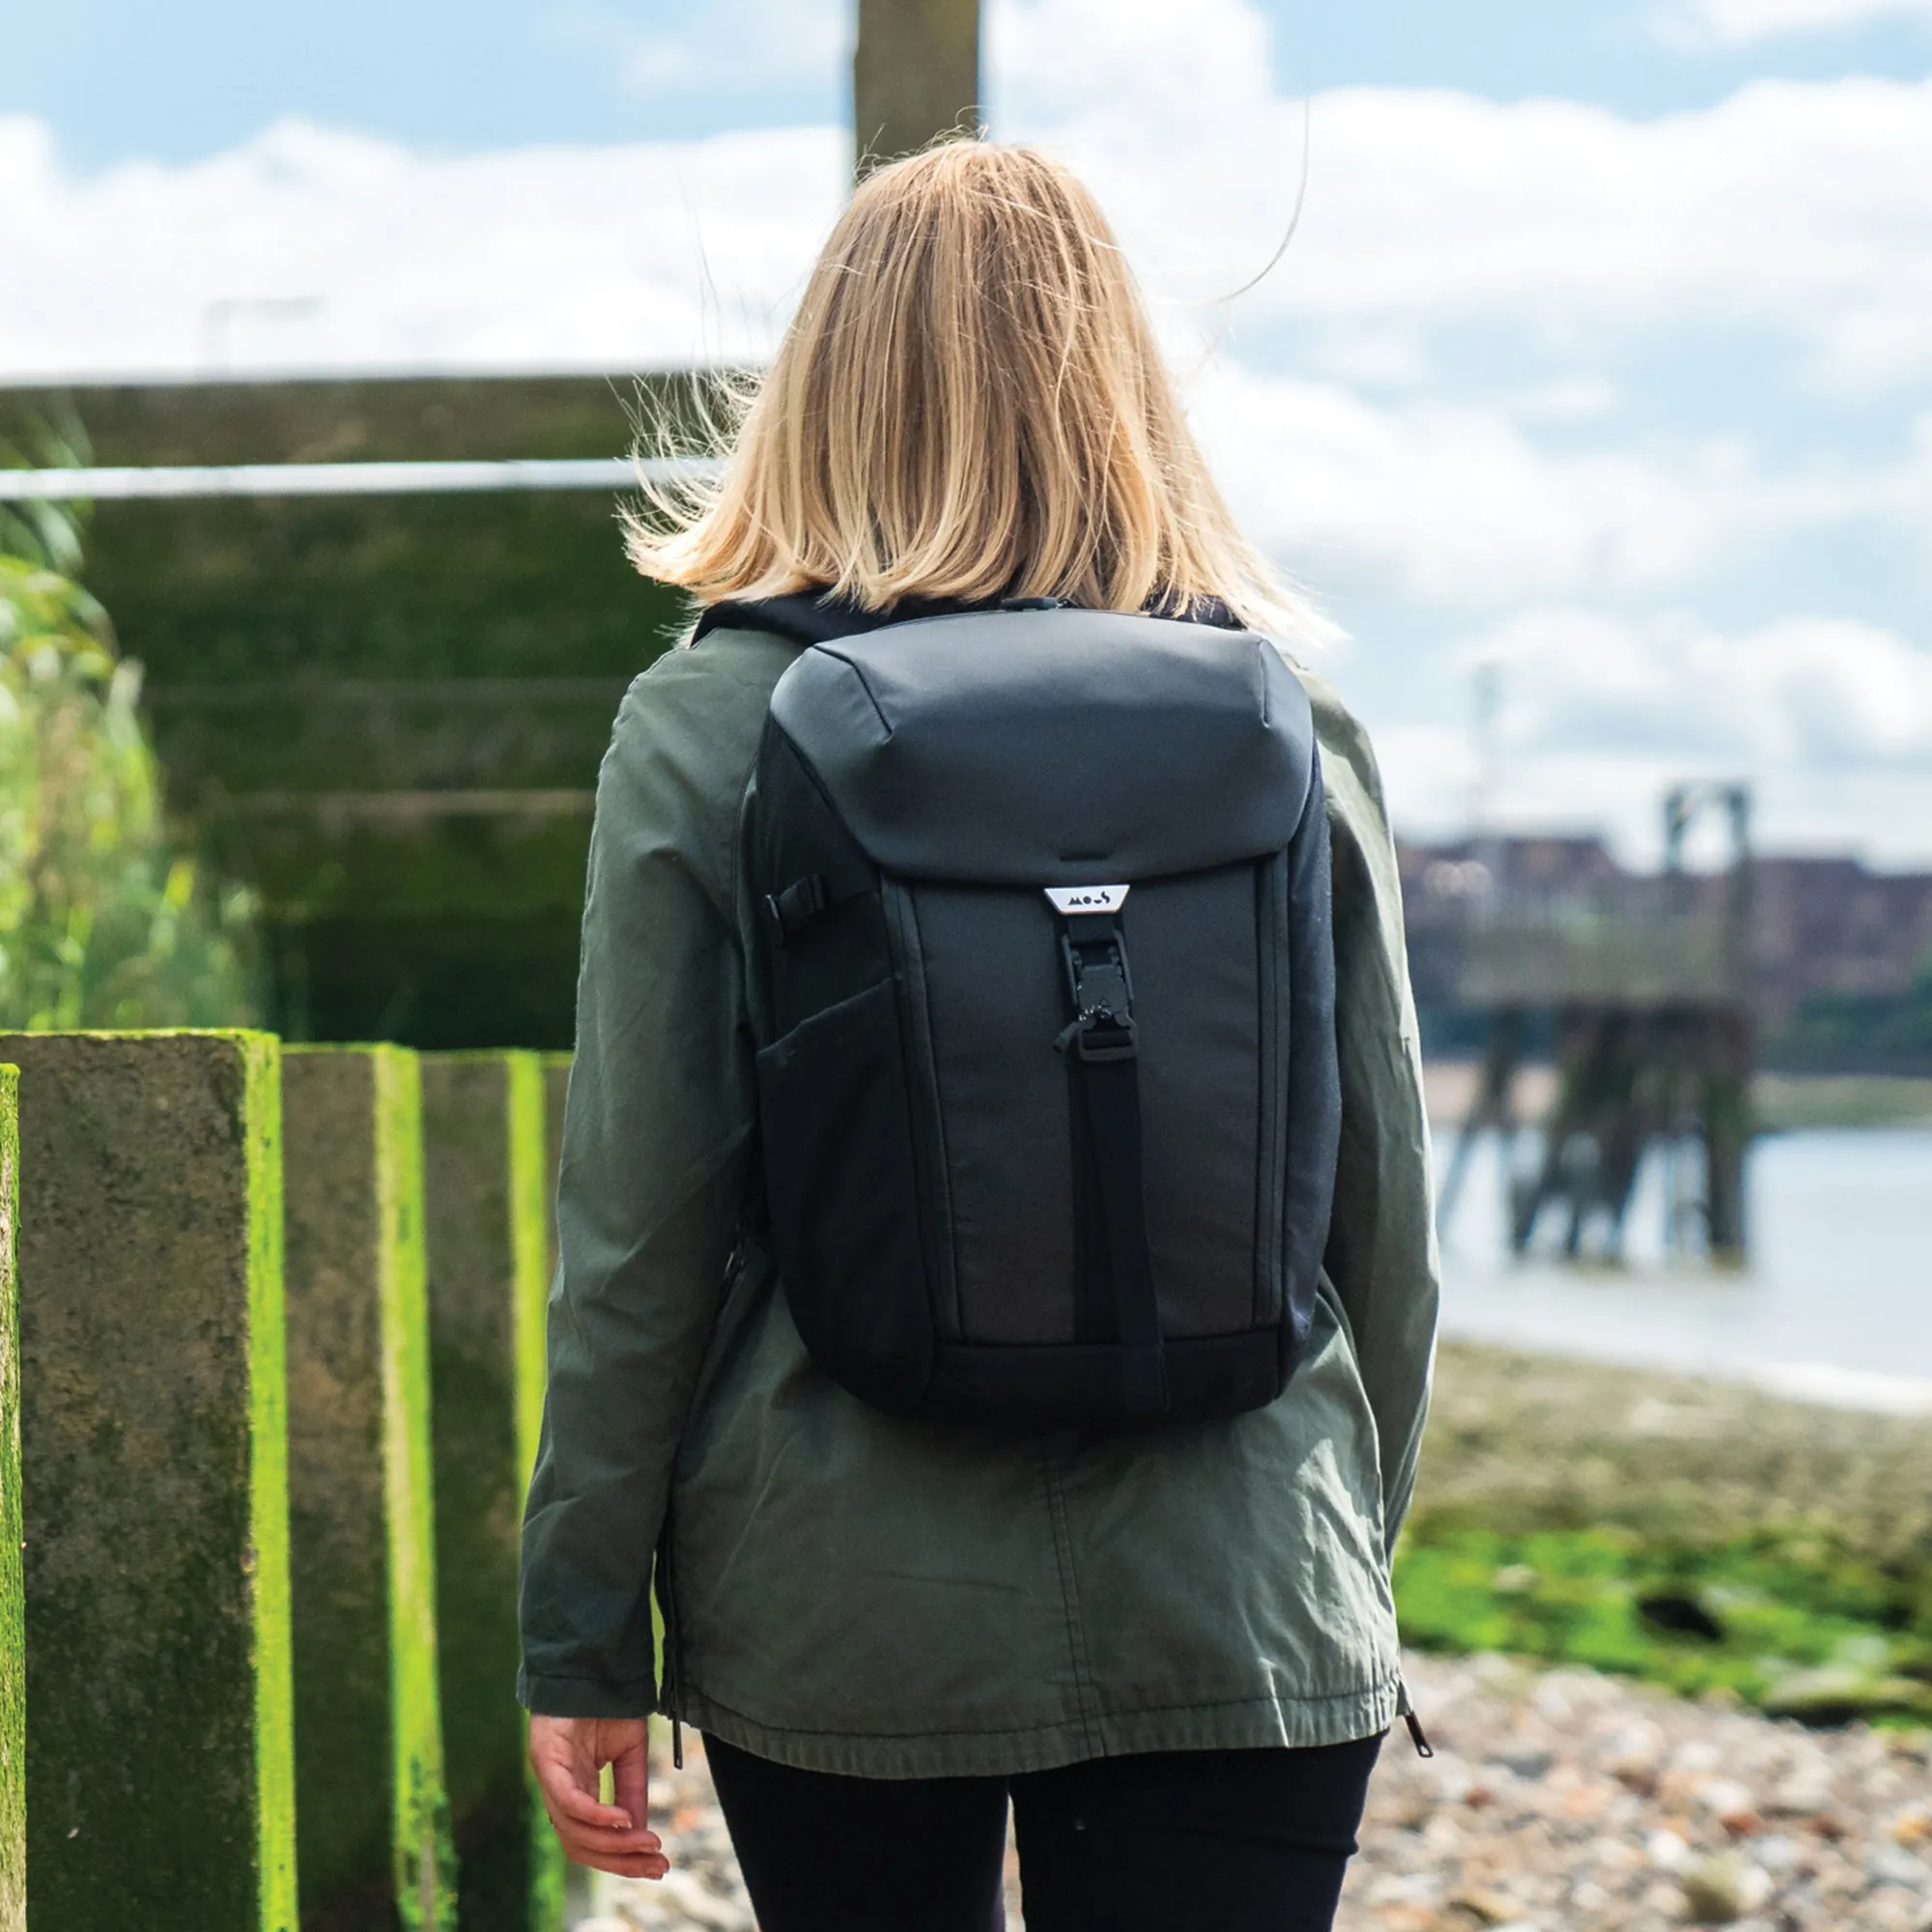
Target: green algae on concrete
{"points": [[13, 1604], [486, 1166], [153, 1447], [373, 1820]]}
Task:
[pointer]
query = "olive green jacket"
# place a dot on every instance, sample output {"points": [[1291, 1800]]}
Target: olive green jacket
{"points": [[852, 1592]]}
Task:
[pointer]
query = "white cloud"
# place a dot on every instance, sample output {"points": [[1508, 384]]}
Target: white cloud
{"points": [[1454, 504], [1696, 26], [617, 258], [1804, 690], [1829, 721], [1795, 211]]}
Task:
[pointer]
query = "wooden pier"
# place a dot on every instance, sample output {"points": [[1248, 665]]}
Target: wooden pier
{"points": [[1646, 992]]}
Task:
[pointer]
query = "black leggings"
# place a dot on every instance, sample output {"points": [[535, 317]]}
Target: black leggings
{"points": [[1241, 1840]]}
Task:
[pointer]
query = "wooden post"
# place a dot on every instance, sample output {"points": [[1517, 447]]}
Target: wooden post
{"points": [[486, 1167], [373, 1822], [915, 76], [12, 1599], [161, 1769], [1727, 1130]]}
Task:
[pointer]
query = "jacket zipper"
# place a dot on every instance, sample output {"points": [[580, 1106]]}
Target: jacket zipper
{"points": [[1405, 1711], [674, 1660]]}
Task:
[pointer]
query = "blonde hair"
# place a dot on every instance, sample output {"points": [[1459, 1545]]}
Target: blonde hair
{"points": [[969, 403]]}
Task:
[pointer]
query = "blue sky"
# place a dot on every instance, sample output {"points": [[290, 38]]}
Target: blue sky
{"points": [[1601, 355], [120, 78]]}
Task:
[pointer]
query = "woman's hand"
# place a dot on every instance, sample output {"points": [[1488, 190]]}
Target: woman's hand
{"points": [[567, 1756]]}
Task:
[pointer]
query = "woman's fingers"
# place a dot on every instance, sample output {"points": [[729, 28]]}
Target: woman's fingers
{"points": [[625, 1841], [565, 1797], [610, 1850], [637, 1854], [625, 1862], [618, 1868], [567, 1766], [629, 1783], [560, 1777]]}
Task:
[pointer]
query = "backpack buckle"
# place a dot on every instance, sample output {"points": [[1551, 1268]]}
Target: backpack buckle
{"points": [[790, 912], [1095, 1040], [1093, 953]]}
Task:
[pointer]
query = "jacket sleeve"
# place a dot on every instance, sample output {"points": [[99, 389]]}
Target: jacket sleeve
{"points": [[654, 1136], [1381, 1255]]}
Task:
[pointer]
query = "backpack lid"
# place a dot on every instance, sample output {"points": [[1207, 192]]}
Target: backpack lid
{"points": [[1053, 746]]}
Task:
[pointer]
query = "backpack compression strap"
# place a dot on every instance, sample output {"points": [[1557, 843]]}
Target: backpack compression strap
{"points": [[1103, 1047]]}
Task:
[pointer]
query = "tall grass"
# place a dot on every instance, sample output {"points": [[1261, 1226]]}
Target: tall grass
{"points": [[105, 921]]}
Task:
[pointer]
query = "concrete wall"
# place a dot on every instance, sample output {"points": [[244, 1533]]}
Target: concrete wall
{"points": [[384, 713]]}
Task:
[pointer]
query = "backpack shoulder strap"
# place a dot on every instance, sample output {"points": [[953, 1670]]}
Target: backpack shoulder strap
{"points": [[809, 617], [802, 619]]}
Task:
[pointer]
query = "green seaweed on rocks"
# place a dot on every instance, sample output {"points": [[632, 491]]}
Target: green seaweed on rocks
{"points": [[1789, 1620]]}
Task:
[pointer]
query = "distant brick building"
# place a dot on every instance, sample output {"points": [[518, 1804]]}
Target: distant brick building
{"points": [[1829, 925], [1819, 927]]}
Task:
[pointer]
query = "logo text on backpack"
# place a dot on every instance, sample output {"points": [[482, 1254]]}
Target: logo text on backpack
{"points": [[1069, 899]]}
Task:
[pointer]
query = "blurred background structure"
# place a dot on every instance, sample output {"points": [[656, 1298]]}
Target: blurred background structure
{"points": [[383, 713]]}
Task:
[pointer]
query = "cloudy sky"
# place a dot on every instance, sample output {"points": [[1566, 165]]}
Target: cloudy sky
{"points": [[1603, 354]]}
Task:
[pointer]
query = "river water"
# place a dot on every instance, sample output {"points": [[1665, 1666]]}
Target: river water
{"points": [[1834, 1304]]}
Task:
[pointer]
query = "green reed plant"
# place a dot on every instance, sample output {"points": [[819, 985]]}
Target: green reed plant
{"points": [[103, 921]]}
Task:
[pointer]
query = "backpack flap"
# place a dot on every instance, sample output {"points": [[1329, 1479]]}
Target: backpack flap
{"points": [[1053, 746]]}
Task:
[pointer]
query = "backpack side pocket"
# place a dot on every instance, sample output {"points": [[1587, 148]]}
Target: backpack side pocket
{"points": [[840, 1178]]}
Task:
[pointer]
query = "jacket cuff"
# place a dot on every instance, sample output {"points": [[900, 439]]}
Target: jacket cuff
{"points": [[585, 1697]]}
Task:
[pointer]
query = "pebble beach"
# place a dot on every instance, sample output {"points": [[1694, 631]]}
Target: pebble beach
{"points": [[1556, 1801]]}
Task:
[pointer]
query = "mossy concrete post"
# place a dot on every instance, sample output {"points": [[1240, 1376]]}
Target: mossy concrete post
{"points": [[486, 1167], [373, 1824], [161, 1769], [12, 1600]]}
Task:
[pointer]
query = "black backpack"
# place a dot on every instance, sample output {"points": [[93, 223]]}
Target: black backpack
{"points": [[1048, 1099]]}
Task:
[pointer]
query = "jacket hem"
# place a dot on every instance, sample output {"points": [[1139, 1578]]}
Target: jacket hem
{"points": [[1256, 1724]]}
